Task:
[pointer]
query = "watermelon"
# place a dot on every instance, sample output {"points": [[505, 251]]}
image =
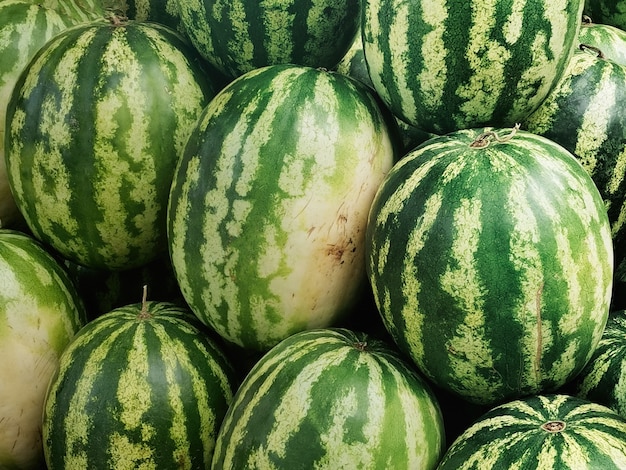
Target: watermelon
{"points": [[269, 203], [142, 386], [444, 66], [331, 398], [609, 40], [239, 36], [602, 379], [490, 256], [40, 312], [25, 27], [547, 432], [584, 113], [611, 12], [96, 125], [160, 11]]}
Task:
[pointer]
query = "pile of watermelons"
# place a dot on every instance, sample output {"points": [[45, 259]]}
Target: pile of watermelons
{"points": [[301, 235]]}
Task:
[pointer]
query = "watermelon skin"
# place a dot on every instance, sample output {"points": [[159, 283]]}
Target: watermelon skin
{"points": [[491, 267], [611, 12], [40, 312], [445, 66], [142, 386], [611, 41], [160, 11], [602, 379], [584, 113], [547, 432], [269, 204], [331, 398], [24, 28], [96, 125], [239, 36]]}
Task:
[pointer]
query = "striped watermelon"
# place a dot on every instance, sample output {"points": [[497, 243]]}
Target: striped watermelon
{"points": [[268, 207], [611, 41], [96, 126], [611, 12], [142, 386], [489, 253], [443, 66], [239, 36], [585, 114], [329, 399], [25, 27], [544, 432], [40, 312], [160, 11], [603, 378]]}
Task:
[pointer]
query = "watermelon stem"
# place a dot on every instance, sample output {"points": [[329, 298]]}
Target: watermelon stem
{"points": [[144, 314], [597, 50], [484, 139], [553, 426]]}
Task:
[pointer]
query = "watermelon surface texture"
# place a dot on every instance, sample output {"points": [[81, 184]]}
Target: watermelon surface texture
{"points": [[25, 27], [584, 113], [269, 204], [237, 36], [96, 126], [602, 380], [40, 312], [490, 257], [329, 399], [547, 432], [142, 386], [444, 66]]}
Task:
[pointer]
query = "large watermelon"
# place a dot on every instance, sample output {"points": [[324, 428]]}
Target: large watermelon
{"points": [[542, 432], [331, 399], [237, 36], [269, 204], [40, 312], [142, 386], [490, 258], [448, 65], [96, 126], [585, 114]]}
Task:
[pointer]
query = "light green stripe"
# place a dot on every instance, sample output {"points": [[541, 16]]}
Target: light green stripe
{"points": [[278, 27], [461, 280], [240, 46], [487, 60], [398, 32], [592, 131], [434, 74], [134, 400], [526, 259]]}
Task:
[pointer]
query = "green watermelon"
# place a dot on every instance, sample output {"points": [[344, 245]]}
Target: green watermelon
{"points": [[269, 204], [142, 386], [585, 114], [602, 380], [609, 40], [96, 125], [40, 312], [490, 257], [25, 27], [443, 66], [611, 12], [546, 432], [329, 399], [238, 36]]}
